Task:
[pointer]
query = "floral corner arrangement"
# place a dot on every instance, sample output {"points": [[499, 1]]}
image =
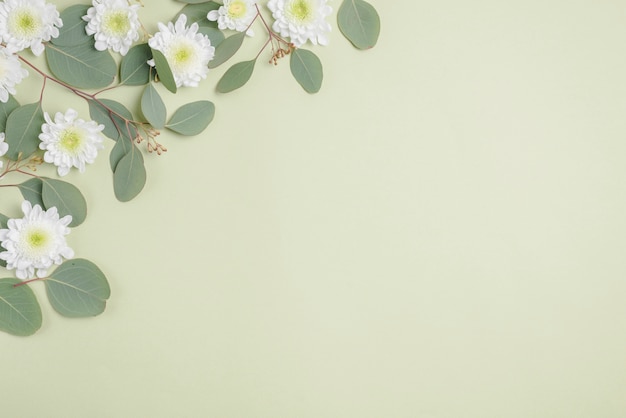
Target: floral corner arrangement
{"points": [[87, 50]]}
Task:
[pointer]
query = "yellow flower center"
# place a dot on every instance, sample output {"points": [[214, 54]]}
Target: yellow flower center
{"points": [[237, 9], [24, 22], [37, 239], [71, 139], [301, 10], [181, 56], [116, 23]]}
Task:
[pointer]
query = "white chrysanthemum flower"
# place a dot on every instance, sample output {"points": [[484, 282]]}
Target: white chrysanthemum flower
{"points": [[301, 20], [235, 15], [11, 74], [187, 52], [70, 142], [114, 24], [4, 147], [28, 23], [35, 242]]}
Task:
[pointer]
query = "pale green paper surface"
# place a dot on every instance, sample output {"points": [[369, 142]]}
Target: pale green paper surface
{"points": [[439, 233]]}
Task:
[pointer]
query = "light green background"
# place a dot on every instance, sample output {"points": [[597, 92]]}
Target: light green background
{"points": [[439, 233]]}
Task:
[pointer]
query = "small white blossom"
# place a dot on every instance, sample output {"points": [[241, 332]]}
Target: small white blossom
{"points": [[28, 23], [4, 147], [114, 24], [70, 142], [301, 20], [35, 242], [187, 52], [11, 74], [235, 15]]}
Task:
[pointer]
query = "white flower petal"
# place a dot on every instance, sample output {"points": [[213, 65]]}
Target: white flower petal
{"points": [[35, 242], [27, 24], [70, 141], [301, 20]]}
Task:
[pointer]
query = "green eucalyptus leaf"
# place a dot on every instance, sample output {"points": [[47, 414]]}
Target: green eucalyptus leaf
{"points": [[196, 13], [22, 130], [4, 221], [193, 1], [226, 49], [152, 107], [306, 68], [32, 190], [163, 70], [20, 313], [119, 150], [77, 289], [134, 68], [215, 35], [66, 198], [129, 177], [5, 111], [73, 30], [192, 118], [359, 22], [81, 65], [110, 113], [236, 76]]}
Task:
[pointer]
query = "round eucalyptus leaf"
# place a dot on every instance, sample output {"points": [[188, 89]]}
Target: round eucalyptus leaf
{"points": [[32, 191], [196, 13], [111, 113], [119, 150], [236, 76], [5, 111], [81, 65], [22, 130], [226, 49], [77, 289], [20, 313], [152, 107], [66, 198], [134, 68], [163, 70], [359, 22], [129, 177], [215, 35], [192, 118], [4, 221], [73, 30], [306, 68]]}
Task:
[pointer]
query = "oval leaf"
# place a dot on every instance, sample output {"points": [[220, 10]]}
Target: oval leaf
{"points": [[129, 177], [77, 289], [4, 220], [23, 129], [73, 30], [134, 68], [20, 313], [215, 35], [163, 70], [121, 148], [192, 118], [32, 191], [66, 198], [306, 68], [110, 113], [5, 111], [153, 107], [359, 22], [226, 49], [236, 76], [81, 65], [196, 13]]}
